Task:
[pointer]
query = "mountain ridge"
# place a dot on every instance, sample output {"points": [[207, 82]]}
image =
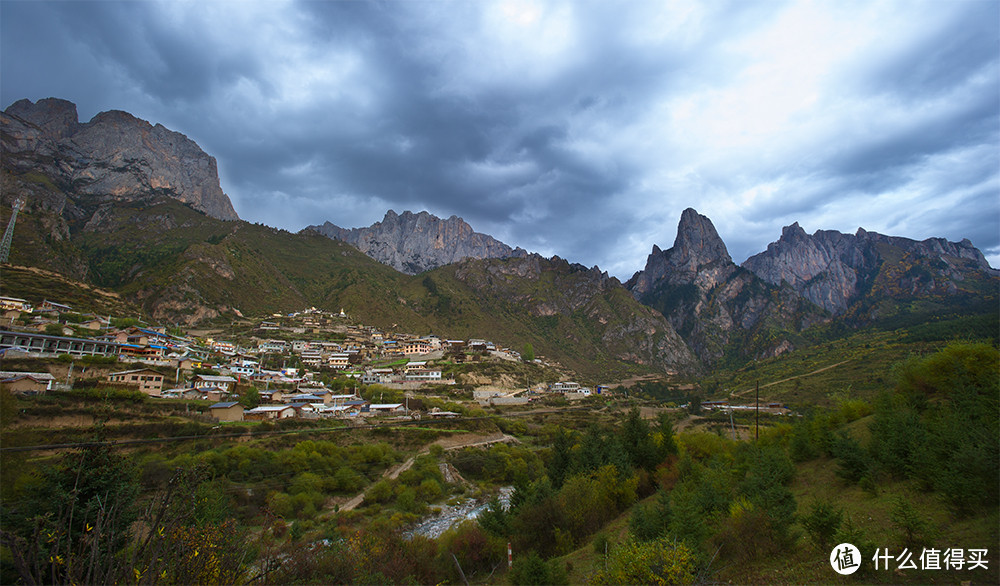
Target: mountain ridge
{"points": [[414, 243], [113, 218]]}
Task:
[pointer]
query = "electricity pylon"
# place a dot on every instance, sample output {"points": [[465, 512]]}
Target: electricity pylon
{"points": [[8, 235]]}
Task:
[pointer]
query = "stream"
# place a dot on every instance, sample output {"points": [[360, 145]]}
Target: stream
{"points": [[450, 515]]}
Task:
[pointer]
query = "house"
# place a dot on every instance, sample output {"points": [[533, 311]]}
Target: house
{"points": [[303, 409], [15, 304], [423, 374], [338, 360], [94, 324], [249, 370], [227, 411], [416, 347], [311, 357], [224, 347], [26, 383], [307, 398], [214, 393], [54, 307], [211, 380], [360, 405], [386, 408], [181, 393], [377, 376], [272, 395], [187, 363], [149, 352], [564, 387], [148, 380], [272, 346], [269, 412]]}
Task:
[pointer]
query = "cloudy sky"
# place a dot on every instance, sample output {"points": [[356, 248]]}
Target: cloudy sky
{"points": [[578, 128]]}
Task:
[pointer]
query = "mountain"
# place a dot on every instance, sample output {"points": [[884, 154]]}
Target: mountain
{"points": [[718, 307], [558, 305], [137, 210], [413, 243], [114, 157], [765, 306], [837, 271], [183, 267]]}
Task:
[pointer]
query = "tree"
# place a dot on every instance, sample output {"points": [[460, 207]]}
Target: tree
{"points": [[822, 523], [250, 398], [638, 443], [530, 569], [528, 355], [660, 561], [71, 525]]}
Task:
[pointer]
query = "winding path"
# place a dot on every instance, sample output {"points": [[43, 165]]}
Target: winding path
{"points": [[785, 380], [452, 443]]}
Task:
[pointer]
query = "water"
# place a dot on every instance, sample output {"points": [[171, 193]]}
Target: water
{"points": [[434, 526]]}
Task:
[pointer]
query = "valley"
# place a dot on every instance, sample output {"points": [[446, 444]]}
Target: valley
{"points": [[187, 397]]}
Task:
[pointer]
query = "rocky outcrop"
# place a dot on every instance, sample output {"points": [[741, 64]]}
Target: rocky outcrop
{"points": [[115, 156], [414, 243], [715, 305], [835, 270]]}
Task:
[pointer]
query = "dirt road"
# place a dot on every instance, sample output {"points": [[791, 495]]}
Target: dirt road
{"points": [[469, 440]]}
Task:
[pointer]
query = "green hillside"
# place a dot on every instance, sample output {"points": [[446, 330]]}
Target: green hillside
{"points": [[181, 267]]}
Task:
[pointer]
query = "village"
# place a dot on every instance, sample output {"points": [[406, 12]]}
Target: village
{"points": [[307, 364]]}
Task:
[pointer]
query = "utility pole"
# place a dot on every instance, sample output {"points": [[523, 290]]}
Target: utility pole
{"points": [[757, 410], [8, 235]]}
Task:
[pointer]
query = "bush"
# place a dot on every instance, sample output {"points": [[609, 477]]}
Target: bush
{"points": [[652, 562], [530, 569], [822, 523]]}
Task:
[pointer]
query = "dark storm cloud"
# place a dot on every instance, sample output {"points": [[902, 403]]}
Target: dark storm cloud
{"points": [[573, 128]]}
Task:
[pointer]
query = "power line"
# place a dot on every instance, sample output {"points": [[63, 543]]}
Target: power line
{"points": [[8, 235], [133, 442], [256, 434]]}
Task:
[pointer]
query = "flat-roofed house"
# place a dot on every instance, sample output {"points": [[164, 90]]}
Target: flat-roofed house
{"points": [[269, 412], [26, 383], [212, 380], [148, 380], [227, 411]]}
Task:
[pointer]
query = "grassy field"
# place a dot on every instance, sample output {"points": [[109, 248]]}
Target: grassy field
{"points": [[859, 366]]}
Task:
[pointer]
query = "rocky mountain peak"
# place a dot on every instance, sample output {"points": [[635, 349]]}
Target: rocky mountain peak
{"points": [[56, 118], [793, 233], [413, 243], [697, 242], [698, 255], [834, 270], [114, 156]]}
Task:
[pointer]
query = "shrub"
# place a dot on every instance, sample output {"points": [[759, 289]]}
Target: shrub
{"points": [[822, 523], [651, 562], [530, 569]]}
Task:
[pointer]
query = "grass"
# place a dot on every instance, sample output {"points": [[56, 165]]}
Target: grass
{"points": [[859, 366]]}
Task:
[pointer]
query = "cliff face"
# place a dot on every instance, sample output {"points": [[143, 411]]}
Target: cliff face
{"points": [[835, 270], [414, 243], [713, 303], [115, 156]]}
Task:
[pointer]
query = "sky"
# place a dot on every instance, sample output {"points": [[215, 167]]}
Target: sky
{"points": [[573, 128]]}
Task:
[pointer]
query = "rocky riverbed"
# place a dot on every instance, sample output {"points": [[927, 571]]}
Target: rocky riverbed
{"points": [[450, 515]]}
